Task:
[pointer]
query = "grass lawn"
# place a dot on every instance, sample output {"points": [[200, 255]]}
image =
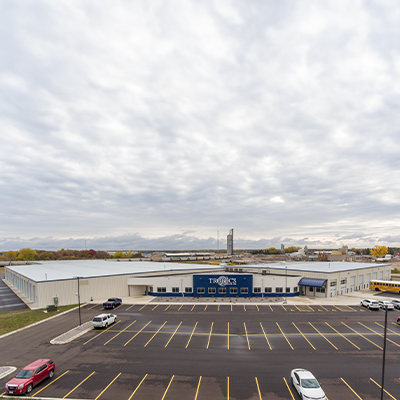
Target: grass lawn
{"points": [[13, 320]]}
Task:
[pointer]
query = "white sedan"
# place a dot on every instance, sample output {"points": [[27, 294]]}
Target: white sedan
{"points": [[386, 304], [306, 384]]}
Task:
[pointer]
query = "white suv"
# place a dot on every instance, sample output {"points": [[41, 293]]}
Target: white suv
{"points": [[103, 320], [370, 304]]}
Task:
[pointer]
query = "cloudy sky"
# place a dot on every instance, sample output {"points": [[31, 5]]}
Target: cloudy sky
{"points": [[163, 124]]}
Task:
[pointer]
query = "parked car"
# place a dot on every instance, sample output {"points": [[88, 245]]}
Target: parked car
{"points": [[30, 376], [386, 304], [370, 304], [306, 384], [112, 302], [396, 303], [103, 320]]}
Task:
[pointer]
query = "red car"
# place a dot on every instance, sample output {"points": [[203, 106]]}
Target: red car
{"points": [[30, 376]]}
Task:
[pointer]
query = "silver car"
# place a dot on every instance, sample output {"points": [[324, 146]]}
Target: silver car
{"points": [[386, 304], [396, 303], [306, 384]]}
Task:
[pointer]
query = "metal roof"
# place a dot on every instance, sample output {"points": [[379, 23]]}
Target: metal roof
{"points": [[314, 282], [70, 269]]}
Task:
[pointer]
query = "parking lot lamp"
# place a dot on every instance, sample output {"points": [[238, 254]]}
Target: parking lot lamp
{"points": [[79, 300]]}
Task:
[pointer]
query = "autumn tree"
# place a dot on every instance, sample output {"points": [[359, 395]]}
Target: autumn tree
{"points": [[379, 251], [26, 254]]}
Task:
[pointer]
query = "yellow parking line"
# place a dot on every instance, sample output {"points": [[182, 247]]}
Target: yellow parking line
{"points": [[228, 335], [93, 306], [133, 305], [191, 335], [379, 347], [154, 307], [197, 391], [257, 308], [303, 335], [266, 337], [258, 389], [344, 337], [380, 387], [119, 332], [270, 307], [193, 307], [227, 388], [382, 326], [209, 337], [105, 330], [350, 388], [140, 309], [205, 308], [324, 308], [58, 377], [137, 387], [166, 390], [324, 337], [159, 329], [379, 334], [108, 386], [137, 333], [180, 307], [173, 334], [231, 307], [76, 387], [247, 337], [288, 388], [285, 336], [244, 307], [284, 307], [168, 307], [218, 306]]}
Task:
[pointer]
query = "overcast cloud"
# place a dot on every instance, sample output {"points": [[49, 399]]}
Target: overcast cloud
{"points": [[154, 124]]}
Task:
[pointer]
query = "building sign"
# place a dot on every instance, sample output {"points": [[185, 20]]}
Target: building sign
{"points": [[223, 281]]}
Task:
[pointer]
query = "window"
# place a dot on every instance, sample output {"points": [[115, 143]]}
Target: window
{"points": [[222, 290], [161, 289], [188, 290], [343, 281], [320, 290], [268, 290], [244, 290], [295, 289], [233, 290], [257, 290], [311, 289], [288, 290], [175, 290], [201, 290], [211, 290], [279, 290]]}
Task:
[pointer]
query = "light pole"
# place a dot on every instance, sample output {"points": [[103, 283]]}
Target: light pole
{"points": [[79, 300], [286, 284]]}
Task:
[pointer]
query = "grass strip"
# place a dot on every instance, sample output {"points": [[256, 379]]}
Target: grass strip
{"points": [[13, 320]]}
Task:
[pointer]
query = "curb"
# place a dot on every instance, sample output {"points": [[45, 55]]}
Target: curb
{"points": [[6, 371], [71, 335]]}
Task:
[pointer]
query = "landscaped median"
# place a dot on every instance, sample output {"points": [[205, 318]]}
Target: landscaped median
{"points": [[13, 320]]}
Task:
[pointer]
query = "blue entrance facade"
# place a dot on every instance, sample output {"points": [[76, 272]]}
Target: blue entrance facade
{"points": [[224, 285]]}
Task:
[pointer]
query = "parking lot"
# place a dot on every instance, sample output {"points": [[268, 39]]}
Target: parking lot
{"points": [[214, 351]]}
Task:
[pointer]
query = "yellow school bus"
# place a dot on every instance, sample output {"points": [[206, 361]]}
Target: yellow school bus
{"points": [[385, 286]]}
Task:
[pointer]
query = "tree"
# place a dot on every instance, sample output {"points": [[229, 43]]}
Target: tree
{"points": [[26, 254], [379, 251]]}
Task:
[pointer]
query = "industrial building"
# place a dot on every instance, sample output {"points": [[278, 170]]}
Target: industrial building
{"points": [[43, 284]]}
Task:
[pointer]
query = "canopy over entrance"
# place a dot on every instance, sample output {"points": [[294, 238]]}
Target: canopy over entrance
{"points": [[312, 282]]}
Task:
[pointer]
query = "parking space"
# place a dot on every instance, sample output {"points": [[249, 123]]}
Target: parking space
{"points": [[97, 385], [226, 351]]}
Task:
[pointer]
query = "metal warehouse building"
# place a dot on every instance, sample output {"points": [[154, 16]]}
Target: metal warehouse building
{"points": [[40, 284]]}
